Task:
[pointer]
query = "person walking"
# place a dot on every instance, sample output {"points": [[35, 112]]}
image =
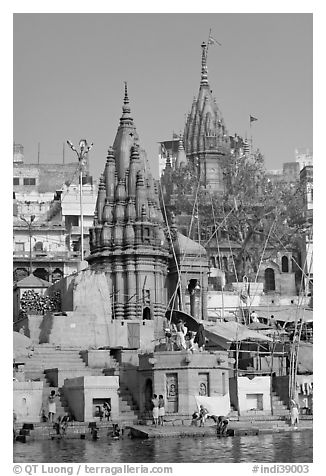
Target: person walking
{"points": [[155, 409], [161, 409], [294, 414], [52, 406]]}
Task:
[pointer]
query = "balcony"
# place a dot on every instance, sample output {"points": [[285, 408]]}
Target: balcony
{"points": [[46, 255]]}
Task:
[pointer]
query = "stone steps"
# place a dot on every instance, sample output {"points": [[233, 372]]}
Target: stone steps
{"points": [[127, 407], [279, 408]]}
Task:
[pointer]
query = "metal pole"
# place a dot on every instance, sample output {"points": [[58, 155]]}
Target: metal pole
{"points": [[81, 212], [30, 249], [84, 149]]}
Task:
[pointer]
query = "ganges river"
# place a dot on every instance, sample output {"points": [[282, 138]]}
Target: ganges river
{"points": [[291, 447]]}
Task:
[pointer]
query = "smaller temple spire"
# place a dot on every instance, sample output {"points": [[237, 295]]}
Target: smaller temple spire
{"points": [[204, 80], [181, 155]]}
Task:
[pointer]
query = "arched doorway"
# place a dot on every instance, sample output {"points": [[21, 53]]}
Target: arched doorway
{"points": [[146, 314], [148, 393], [41, 273], [269, 279], [285, 264]]}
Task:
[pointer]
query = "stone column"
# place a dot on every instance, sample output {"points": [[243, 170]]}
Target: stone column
{"points": [[139, 296], [118, 290], [130, 305]]}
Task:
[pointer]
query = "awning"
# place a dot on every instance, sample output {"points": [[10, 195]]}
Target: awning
{"points": [[224, 333], [285, 313]]}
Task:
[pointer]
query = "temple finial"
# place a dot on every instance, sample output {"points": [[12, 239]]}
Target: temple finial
{"points": [[126, 106], [204, 80]]}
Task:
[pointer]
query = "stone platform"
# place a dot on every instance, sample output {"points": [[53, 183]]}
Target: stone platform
{"points": [[83, 430], [234, 429]]}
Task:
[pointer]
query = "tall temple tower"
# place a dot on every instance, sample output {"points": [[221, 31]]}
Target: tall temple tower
{"points": [[205, 137], [127, 241]]}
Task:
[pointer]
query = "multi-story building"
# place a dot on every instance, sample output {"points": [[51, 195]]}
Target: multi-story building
{"points": [[47, 217], [290, 171]]}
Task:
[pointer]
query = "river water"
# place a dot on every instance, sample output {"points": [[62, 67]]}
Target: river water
{"points": [[291, 447]]}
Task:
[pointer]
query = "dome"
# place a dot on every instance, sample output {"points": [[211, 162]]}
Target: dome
{"points": [[185, 246]]}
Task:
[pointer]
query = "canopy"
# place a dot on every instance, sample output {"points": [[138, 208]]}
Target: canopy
{"points": [[224, 333], [285, 313]]}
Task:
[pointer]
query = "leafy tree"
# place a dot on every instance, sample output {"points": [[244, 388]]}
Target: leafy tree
{"points": [[252, 210]]}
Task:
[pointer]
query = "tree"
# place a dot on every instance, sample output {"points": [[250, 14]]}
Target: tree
{"points": [[254, 217]]}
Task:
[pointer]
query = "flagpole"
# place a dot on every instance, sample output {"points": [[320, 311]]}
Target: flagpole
{"points": [[209, 35], [250, 121]]}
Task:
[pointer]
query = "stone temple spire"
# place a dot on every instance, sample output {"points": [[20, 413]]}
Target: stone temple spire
{"points": [[128, 240], [206, 140]]}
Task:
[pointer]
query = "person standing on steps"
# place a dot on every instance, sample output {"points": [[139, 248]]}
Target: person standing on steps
{"points": [[155, 409], [52, 406], [161, 410]]}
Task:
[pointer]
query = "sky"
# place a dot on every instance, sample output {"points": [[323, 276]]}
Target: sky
{"points": [[69, 69]]}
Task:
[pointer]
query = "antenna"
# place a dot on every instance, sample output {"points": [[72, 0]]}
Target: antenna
{"points": [[38, 152]]}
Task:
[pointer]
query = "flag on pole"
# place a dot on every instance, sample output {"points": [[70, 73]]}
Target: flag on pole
{"points": [[253, 119], [213, 41]]}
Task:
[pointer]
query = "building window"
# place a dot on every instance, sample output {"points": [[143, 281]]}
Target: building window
{"points": [[20, 246], [38, 246], [16, 180], [212, 262], [285, 264], [269, 280], [254, 401], [29, 181]]}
